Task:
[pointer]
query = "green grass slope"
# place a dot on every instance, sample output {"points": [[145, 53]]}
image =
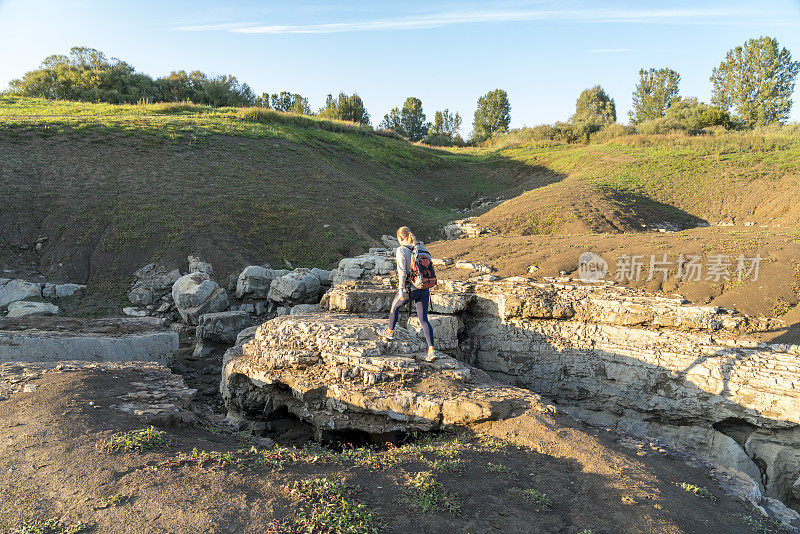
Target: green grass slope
{"points": [[627, 182], [115, 187]]}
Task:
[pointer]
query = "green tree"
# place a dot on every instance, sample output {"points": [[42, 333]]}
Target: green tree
{"points": [[392, 121], [445, 123], [408, 121], [345, 108], [757, 80], [492, 115], [286, 102], [412, 119], [444, 130], [656, 90], [87, 74], [594, 108]]}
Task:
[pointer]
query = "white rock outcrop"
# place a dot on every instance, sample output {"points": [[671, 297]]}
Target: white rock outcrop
{"points": [[337, 372], [649, 365]]}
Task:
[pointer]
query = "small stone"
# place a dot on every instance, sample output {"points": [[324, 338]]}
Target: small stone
{"points": [[29, 388], [131, 311]]}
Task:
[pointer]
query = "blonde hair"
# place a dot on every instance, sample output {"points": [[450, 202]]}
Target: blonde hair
{"points": [[404, 234]]}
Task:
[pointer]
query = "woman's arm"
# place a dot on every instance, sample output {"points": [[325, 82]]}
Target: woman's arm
{"points": [[401, 269]]}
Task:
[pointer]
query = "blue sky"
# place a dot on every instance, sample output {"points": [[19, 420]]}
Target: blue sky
{"points": [[446, 53]]}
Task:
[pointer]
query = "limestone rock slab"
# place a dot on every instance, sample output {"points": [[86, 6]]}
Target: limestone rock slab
{"points": [[338, 372], [98, 344], [22, 308], [254, 281]]}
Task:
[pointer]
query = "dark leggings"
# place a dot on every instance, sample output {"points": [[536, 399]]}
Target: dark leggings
{"points": [[421, 298]]}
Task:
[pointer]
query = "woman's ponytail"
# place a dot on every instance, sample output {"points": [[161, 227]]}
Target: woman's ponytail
{"points": [[404, 234]]}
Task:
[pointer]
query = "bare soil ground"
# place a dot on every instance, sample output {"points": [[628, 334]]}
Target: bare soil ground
{"points": [[773, 294], [55, 466]]}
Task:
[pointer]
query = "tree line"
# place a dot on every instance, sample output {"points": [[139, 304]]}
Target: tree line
{"points": [[751, 86]]}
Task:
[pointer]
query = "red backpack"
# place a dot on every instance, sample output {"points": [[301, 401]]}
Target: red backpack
{"points": [[422, 274]]}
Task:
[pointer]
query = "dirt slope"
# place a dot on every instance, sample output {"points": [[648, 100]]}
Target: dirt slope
{"points": [[55, 467]]}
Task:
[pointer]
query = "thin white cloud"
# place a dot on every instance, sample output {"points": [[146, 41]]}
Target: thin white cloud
{"points": [[609, 50], [230, 26], [439, 20]]}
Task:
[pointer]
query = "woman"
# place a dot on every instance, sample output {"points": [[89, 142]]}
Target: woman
{"points": [[406, 290]]}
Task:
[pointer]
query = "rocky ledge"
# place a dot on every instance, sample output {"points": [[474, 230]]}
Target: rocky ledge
{"points": [[336, 372], [652, 365]]}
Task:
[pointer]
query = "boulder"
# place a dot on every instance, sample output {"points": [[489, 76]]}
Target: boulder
{"points": [[727, 452], [246, 335], [196, 265], [377, 263], [222, 326], [298, 287], [196, 294], [151, 283], [22, 308], [390, 241], [67, 290], [202, 350], [53, 291], [323, 275], [262, 307], [14, 290], [254, 281]]}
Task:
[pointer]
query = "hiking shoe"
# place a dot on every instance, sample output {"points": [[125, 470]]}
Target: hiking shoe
{"points": [[431, 355]]}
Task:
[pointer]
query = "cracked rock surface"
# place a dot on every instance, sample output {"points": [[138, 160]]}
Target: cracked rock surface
{"points": [[337, 372]]}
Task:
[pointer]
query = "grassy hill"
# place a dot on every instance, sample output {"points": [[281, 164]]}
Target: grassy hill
{"points": [[621, 184], [114, 187]]}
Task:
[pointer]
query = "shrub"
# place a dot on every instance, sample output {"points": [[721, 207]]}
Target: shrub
{"points": [[612, 131]]}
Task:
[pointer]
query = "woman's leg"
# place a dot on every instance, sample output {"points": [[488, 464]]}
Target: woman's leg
{"points": [[394, 314], [422, 298]]}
